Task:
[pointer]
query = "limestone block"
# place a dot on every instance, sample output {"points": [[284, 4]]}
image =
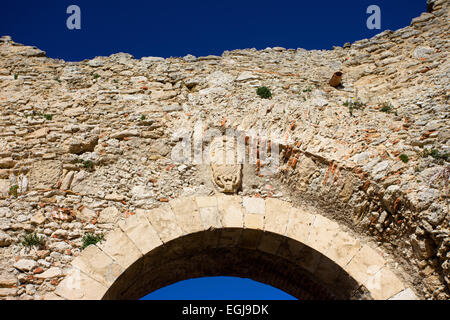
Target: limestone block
{"points": [[277, 216], [210, 217], [203, 202], [78, 286], [141, 232], [45, 174], [187, 215], [231, 211], [109, 215], [322, 234], [118, 246], [365, 264], [384, 284], [299, 225], [254, 221], [97, 265], [343, 248], [254, 205], [164, 222], [406, 294]]}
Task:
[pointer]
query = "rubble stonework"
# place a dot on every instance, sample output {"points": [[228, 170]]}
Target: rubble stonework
{"points": [[85, 146]]}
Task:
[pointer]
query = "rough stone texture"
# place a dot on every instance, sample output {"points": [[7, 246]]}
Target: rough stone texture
{"points": [[365, 264], [139, 230], [118, 246], [98, 265], [45, 174], [78, 286], [109, 215], [106, 154], [164, 222]]}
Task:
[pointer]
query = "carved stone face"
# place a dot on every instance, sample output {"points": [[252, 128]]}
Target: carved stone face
{"points": [[226, 176]]}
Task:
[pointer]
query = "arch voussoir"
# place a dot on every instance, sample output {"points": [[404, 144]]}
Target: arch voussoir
{"points": [[188, 229], [141, 232]]}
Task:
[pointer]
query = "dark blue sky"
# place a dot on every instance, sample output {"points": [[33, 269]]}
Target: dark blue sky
{"points": [[176, 28], [218, 288]]}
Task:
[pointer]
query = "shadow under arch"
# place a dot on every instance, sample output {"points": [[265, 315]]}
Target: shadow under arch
{"points": [[210, 253]]}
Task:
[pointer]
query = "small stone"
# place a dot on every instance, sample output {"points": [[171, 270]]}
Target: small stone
{"points": [[50, 273], [87, 214], [189, 58], [38, 270], [423, 52], [7, 281], [5, 240], [40, 133], [7, 163], [5, 292], [25, 265], [390, 196], [4, 188], [65, 185], [114, 197], [172, 108], [81, 145], [109, 215], [38, 219], [124, 134]]}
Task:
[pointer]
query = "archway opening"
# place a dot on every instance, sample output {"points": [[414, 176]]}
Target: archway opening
{"points": [[218, 288]]}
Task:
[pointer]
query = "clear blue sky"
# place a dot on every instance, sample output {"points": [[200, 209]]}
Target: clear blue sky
{"points": [[176, 28], [218, 288]]}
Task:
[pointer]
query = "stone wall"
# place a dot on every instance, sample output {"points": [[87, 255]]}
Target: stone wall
{"points": [[84, 145]]}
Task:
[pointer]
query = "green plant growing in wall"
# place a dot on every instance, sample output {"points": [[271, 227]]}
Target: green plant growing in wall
{"points": [[32, 240], [14, 191], [436, 154], [88, 164], [353, 104], [91, 238], [387, 108], [404, 158], [264, 92]]}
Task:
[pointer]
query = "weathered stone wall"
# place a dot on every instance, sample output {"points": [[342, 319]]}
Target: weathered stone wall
{"points": [[84, 145]]}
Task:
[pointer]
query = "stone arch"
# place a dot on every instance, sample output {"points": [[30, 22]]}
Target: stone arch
{"points": [[302, 253]]}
